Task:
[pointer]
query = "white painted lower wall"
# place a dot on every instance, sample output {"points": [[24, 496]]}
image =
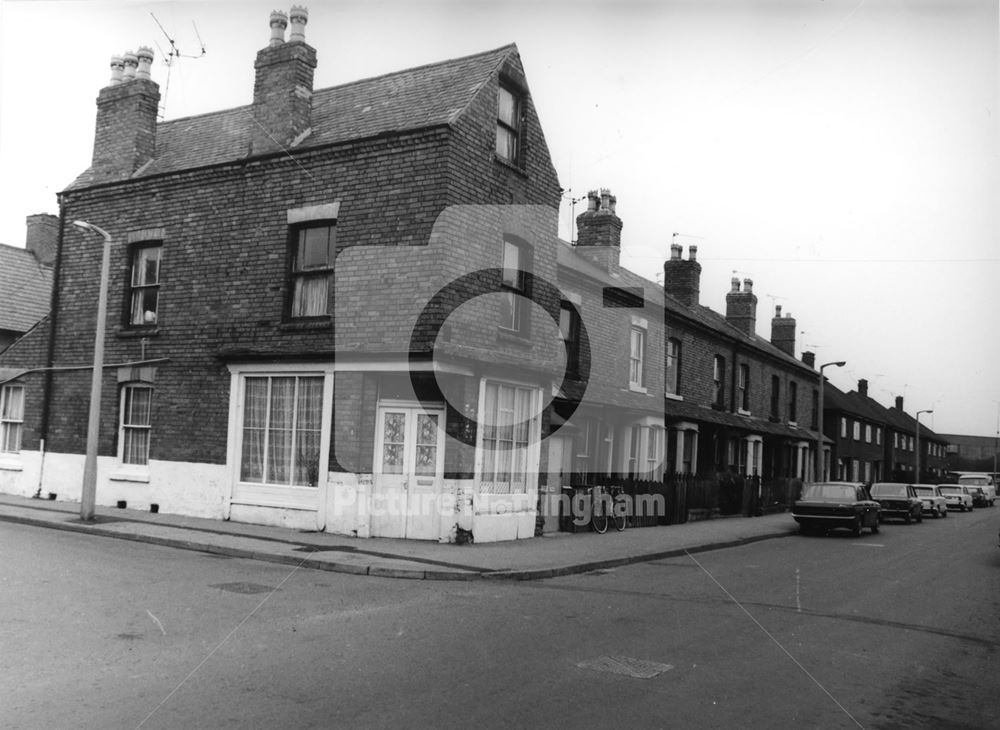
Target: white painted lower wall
{"points": [[186, 488], [202, 490]]}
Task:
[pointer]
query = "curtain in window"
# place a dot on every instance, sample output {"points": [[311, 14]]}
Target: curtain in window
{"points": [[254, 426], [506, 431], [307, 431], [135, 425], [11, 418], [310, 296], [280, 431]]}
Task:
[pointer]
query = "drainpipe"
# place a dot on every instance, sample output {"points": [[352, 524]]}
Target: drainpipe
{"points": [[50, 351]]}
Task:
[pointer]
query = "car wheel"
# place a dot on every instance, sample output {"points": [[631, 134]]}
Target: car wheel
{"points": [[920, 516], [856, 527], [944, 512], [908, 519], [936, 514], [875, 527]]}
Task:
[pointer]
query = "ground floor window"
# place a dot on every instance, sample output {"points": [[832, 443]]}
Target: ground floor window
{"points": [[509, 425], [282, 425], [135, 424], [11, 418]]}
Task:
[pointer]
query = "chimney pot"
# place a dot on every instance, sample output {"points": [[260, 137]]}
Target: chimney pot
{"points": [[117, 68], [298, 17], [605, 199], [131, 64], [748, 286], [145, 59], [777, 310], [736, 286], [279, 21], [692, 253], [675, 251], [593, 201]]}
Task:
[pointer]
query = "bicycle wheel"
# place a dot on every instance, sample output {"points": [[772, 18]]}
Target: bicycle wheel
{"points": [[599, 519], [620, 516]]}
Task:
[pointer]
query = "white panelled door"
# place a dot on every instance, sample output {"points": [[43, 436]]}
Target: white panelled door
{"points": [[409, 469]]}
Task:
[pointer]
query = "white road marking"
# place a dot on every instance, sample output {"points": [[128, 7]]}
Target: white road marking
{"points": [[798, 603], [162, 630], [867, 544]]}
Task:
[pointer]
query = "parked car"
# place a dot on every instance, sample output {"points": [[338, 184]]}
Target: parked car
{"points": [[933, 502], [826, 505], [957, 496], [979, 498], [898, 500], [985, 481]]}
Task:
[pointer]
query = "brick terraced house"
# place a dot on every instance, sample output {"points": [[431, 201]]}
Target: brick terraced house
{"points": [[348, 309]]}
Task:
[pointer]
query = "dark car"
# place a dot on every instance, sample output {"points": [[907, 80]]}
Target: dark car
{"points": [[826, 505], [898, 500], [979, 498]]}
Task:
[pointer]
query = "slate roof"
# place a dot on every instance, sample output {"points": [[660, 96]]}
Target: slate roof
{"points": [[426, 96], [655, 295], [852, 402], [25, 287]]}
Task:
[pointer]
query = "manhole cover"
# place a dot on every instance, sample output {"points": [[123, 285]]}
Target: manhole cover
{"points": [[627, 666], [247, 588]]}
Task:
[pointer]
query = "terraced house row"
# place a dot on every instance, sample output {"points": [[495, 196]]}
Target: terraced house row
{"points": [[349, 309]]}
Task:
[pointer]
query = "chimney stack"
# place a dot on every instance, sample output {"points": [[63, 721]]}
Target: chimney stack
{"points": [[599, 231], [863, 387], [809, 358], [682, 278], [783, 332], [741, 307], [283, 87], [125, 132], [42, 237], [899, 403]]}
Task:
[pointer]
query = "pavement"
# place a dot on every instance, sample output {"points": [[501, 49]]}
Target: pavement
{"points": [[541, 557]]}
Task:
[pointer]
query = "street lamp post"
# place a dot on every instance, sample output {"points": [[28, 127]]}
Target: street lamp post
{"points": [[819, 420], [88, 493], [918, 442]]}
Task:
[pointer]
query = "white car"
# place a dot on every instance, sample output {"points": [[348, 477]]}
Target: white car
{"points": [[933, 501], [957, 496], [981, 480]]}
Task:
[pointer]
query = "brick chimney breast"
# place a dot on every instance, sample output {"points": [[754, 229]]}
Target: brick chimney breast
{"points": [[682, 277], [283, 86], [599, 231], [125, 131], [741, 307], [42, 237], [783, 332]]}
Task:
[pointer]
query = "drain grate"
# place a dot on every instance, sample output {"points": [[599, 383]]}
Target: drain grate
{"points": [[245, 588], [626, 666]]}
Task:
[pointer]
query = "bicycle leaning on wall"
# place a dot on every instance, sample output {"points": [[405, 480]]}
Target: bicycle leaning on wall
{"points": [[608, 504]]}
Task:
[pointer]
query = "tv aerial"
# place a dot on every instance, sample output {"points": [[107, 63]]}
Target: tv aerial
{"points": [[171, 57]]}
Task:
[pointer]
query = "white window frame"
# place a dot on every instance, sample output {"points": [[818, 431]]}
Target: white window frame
{"points": [[868, 433], [510, 129], [856, 430], [269, 495], [10, 421], [132, 471], [637, 361], [672, 389], [531, 450], [843, 427]]}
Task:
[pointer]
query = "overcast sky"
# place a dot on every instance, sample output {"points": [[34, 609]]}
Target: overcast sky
{"points": [[842, 154]]}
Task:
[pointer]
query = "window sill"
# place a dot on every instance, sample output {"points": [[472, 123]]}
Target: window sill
{"points": [[510, 165], [139, 475], [673, 396], [637, 389], [312, 323], [513, 338], [743, 412], [11, 462], [125, 333]]}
